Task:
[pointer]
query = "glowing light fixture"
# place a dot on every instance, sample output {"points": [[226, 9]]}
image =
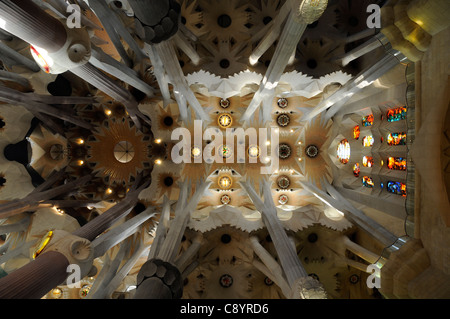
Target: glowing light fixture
{"points": [[225, 182], [196, 152]]}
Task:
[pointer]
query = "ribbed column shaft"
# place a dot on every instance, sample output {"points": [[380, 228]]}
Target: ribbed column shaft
{"points": [[290, 36], [29, 22], [289, 260], [101, 223], [361, 50], [35, 279]]}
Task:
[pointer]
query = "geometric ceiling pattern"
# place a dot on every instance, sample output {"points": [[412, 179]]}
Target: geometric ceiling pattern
{"points": [[208, 149]]}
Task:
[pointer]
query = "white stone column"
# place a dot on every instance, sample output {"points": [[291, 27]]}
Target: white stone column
{"points": [[302, 13], [171, 244], [270, 267], [161, 230], [101, 81], [184, 260], [336, 200], [168, 57], [104, 242], [359, 51], [29, 22], [338, 100], [301, 284]]}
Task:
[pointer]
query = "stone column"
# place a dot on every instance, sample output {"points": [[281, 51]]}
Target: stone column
{"points": [[101, 223], [10, 54], [269, 267], [359, 51], [104, 83], [103, 243], [34, 199], [166, 53], [27, 21], [338, 100], [75, 248], [301, 284], [336, 200], [12, 96], [159, 277], [273, 32], [36, 278], [394, 208], [303, 13]]}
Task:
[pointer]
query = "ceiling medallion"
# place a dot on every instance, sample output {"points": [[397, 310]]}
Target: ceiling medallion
{"points": [[226, 151], [84, 291], [57, 293], [312, 151], [283, 199], [124, 152], [225, 120], [268, 281], [283, 103], [284, 151], [226, 281], [196, 152], [225, 182], [225, 199], [283, 120], [283, 182], [253, 151], [224, 103], [354, 279]]}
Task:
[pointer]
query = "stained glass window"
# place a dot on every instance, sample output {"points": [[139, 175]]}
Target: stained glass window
{"points": [[343, 151], [356, 170], [397, 163], [367, 182], [356, 132], [396, 139], [368, 141], [367, 120], [368, 161], [396, 188], [396, 114]]}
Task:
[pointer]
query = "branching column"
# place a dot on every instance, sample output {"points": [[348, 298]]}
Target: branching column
{"points": [[301, 284], [159, 277], [338, 100], [303, 13], [30, 23], [49, 269], [104, 83], [334, 199]]}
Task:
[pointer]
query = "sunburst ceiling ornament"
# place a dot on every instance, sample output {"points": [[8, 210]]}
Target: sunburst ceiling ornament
{"points": [[118, 151], [124, 151], [225, 120], [225, 182]]}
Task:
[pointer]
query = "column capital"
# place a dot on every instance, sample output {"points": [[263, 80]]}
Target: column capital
{"points": [[156, 273], [308, 288], [77, 250], [309, 11]]}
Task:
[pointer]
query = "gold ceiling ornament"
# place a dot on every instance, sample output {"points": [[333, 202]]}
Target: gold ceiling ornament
{"points": [[118, 151], [225, 182], [225, 120], [309, 11]]}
